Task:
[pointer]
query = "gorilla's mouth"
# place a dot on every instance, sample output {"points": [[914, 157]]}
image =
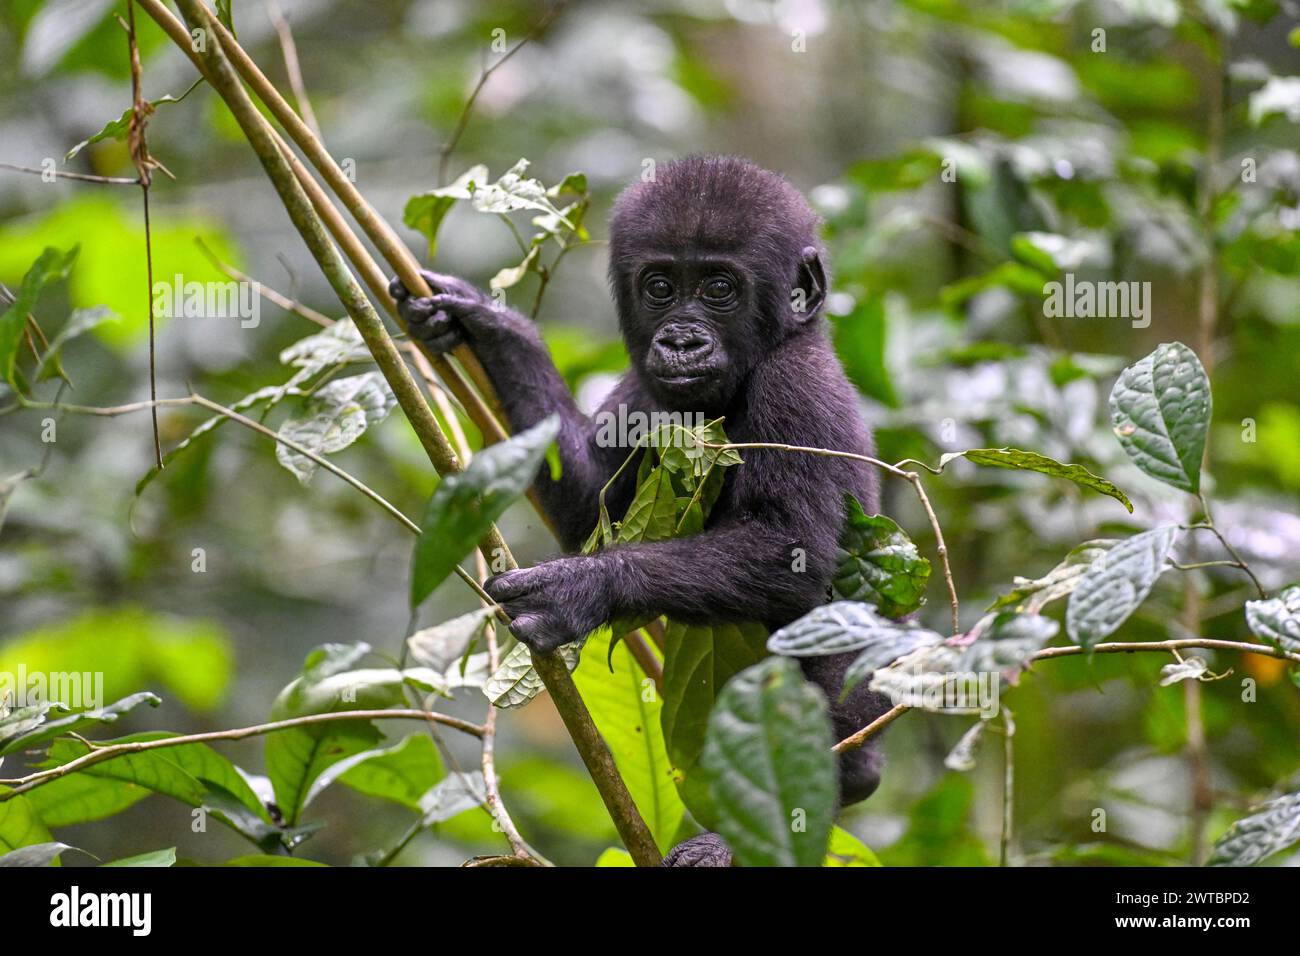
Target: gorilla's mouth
{"points": [[681, 379]]}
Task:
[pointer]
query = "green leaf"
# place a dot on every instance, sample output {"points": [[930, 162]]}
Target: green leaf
{"points": [[613, 856], [847, 850], [1273, 827], [73, 723], [838, 628], [340, 344], [698, 661], [426, 211], [297, 756], [37, 854], [19, 824], [452, 796], [626, 707], [513, 275], [80, 322], [402, 773], [157, 858], [341, 411], [1276, 620], [860, 342], [515, 682], [515, 191], [1018, 460], [1115, 584], [887, 647], [1031, 596], [118, 128], [441, 646], [879, 564], [946, 677], [1160, 412], [52, 266], [464, 506], [82, 798], [771, 773], [184, 772]]}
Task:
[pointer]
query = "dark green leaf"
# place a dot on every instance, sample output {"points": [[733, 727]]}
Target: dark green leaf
{"points": [[1276, 620], [464, 506], [879, 564], [75, 723], [698, 661], [1273, 827], [1115, 584], [51, 267], [1160, 412], [837, 628], [771, 773], [1018, 460]]}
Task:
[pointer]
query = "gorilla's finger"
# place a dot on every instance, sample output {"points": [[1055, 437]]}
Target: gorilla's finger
{"points": [[397, 290], [537, 631], [510, 585], [453, 304], [442, 344]]}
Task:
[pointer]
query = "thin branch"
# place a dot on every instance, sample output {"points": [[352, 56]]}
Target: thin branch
{"points": [[857, 739], [1240, 562], [79, 177], [291, 66], [265, 291], [107, 752], [447, 148], [144, 167]]}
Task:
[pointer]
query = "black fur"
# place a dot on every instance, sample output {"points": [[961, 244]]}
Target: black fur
{"points": [[733, 242]]}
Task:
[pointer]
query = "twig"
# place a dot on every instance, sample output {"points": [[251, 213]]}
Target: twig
{"points": [[265, 291], [1237, 559], [144, 166], [860, 737], [79, 177], [291, 66], [107, 752], [447, 148]]}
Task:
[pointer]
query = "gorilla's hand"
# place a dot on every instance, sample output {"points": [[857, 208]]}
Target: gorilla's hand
{"points": [[447, 318], [707, 849], [555, 602]]}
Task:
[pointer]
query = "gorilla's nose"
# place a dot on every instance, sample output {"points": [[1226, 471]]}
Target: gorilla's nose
{"points": [[684, 342]]}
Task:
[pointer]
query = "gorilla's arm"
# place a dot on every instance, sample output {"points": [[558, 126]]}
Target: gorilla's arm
{"points": [[766, 558], [529, 386]]}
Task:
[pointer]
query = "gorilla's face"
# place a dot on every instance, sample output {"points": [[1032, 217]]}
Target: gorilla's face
{"points": [[690, 327]]}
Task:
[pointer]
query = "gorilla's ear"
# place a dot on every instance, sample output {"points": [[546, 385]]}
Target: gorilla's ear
{"points": [[812, 283]]}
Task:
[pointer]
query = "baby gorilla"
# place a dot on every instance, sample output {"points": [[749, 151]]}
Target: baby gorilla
{"points": [[717, 274]]}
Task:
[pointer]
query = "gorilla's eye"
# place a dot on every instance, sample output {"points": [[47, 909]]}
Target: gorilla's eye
{"points": [[719, 289], [658, 289]]}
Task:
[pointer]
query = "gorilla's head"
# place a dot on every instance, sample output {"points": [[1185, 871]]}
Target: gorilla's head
{"points": [[712, 264]]}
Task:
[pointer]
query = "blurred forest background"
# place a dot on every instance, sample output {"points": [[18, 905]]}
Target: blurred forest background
{"points": [[1124, 163]]}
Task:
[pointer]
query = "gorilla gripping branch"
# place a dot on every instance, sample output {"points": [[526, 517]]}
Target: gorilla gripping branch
{"points": [[270, 150]]}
